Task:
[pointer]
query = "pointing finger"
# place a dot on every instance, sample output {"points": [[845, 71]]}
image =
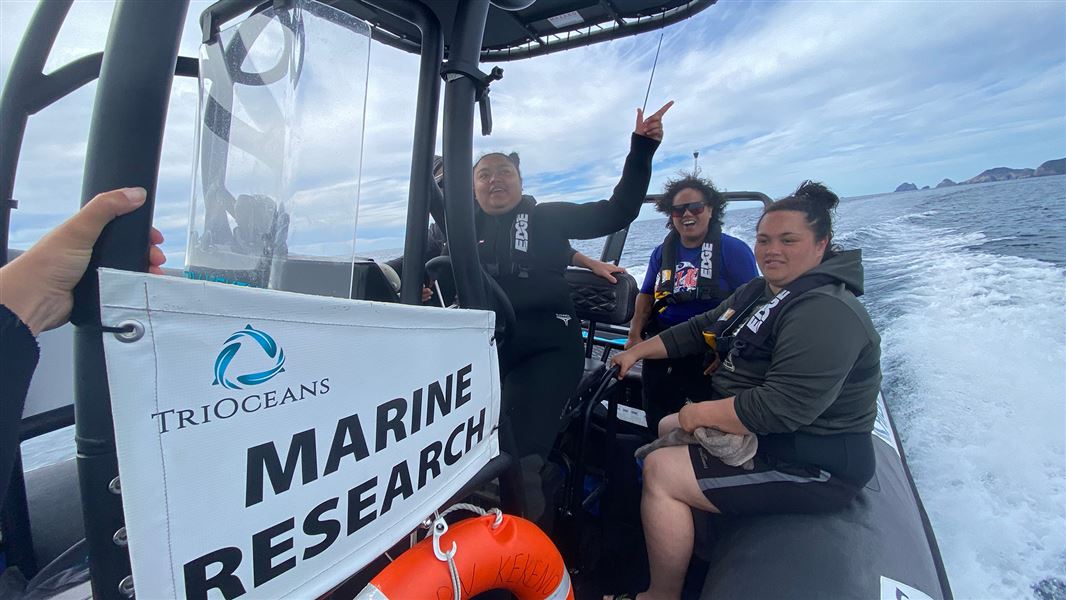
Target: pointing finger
{"points": [[662, 111]]}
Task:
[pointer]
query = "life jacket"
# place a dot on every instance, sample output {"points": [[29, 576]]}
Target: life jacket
{"points": [[745, 332], [707, 287], [521, 259]]}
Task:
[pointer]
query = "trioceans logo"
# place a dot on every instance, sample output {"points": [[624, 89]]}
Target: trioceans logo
{"points": [[232, 345]]}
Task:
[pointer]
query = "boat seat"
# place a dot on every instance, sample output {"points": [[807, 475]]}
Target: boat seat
{"points": [[370, 281], [597, 300]]}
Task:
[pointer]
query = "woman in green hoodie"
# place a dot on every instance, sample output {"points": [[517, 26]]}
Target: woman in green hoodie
{"points": [[796, 363]]}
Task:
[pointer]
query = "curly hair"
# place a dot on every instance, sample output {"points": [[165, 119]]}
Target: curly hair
{"points": [[691, 181]]}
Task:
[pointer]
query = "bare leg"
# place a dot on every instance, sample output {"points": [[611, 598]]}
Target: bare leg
{"points": [[669, 423], [670, 488]]}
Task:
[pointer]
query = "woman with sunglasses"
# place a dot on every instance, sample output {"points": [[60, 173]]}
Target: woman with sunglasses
{"points": [[691, 272]]}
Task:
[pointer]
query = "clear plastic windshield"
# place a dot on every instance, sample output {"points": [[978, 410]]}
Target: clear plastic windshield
{"points": [[279, 140]]}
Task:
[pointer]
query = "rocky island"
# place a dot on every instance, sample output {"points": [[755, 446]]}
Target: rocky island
{"points": [[1001, 174], [1049, 168]]}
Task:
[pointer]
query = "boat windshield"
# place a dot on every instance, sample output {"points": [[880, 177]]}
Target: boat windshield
{"points": [[276, 182]]}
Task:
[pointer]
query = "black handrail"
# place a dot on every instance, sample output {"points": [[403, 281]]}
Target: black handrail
{"points": [[21, 99], [125, 143], [467, 34], [425, 141]]}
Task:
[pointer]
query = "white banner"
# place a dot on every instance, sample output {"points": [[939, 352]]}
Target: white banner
{"points": [[272, 444]]}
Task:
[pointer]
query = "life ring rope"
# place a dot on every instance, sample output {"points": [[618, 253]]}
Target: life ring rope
{"points": [[501, 552], [440, 527]]}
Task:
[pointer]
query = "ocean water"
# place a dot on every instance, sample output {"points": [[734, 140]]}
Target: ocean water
{"points": [[966, 286]]}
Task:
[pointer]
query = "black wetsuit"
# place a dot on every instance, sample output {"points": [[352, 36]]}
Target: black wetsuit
{"points": [[18, 358], [542, 361]]}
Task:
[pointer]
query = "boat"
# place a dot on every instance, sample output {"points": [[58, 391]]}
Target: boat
{"points": [[881, 546]]}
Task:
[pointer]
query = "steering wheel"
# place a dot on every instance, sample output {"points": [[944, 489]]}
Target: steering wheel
{"points": [[501, 304]]}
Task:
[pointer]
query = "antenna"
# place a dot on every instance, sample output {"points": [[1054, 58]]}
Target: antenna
{"points": [[652, 77]]}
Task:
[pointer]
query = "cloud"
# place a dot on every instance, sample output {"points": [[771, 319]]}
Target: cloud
{"points": [[769, 93]]}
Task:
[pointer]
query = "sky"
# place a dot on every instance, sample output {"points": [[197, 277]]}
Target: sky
{"points": [[860, 95]]}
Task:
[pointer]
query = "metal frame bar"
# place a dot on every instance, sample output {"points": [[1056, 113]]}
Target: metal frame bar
{"points": [[535, 37], [26, 88], [46, 422], [125, 143], [425, 142], [601, 35], [223, 11], [459, 92], [609, 7], [22, 95]]}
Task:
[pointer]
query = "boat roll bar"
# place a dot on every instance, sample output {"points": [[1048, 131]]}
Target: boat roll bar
{"points": [[28, 90], [463, 78], [425, 142], [22, 96], [125, 144]]}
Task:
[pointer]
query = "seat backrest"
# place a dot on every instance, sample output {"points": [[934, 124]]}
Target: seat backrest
{"points": [[599, 300]]}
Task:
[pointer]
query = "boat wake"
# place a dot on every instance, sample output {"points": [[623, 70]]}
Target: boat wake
{"points": [[974, 347]]}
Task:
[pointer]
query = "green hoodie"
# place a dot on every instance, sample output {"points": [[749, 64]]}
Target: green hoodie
{"points": [[821, 338]]}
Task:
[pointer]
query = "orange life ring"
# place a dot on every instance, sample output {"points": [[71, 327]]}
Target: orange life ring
{"points": [[515, 556]]}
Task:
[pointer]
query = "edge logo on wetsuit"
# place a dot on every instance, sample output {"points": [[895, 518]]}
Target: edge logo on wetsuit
{"points": [[521, 232]]}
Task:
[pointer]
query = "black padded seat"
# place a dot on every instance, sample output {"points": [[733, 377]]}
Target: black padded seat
{"points": [[597, 300]]}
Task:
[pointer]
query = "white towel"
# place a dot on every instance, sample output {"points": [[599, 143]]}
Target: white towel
{"points": [[732, 449]]}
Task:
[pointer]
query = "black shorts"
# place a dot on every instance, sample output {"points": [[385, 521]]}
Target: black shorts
{"points": [[769, 488]]}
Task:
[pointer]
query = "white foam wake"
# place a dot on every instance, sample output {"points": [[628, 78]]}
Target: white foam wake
{"points": [[975, 360]]}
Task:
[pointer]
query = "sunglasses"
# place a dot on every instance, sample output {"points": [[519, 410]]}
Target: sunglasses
{"points": [[695, 208]]}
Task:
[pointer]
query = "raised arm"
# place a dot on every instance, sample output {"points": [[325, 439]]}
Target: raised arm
{"points": [[596, 219]]}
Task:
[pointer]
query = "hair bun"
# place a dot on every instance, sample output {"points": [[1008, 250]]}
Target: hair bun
{"points": [[514, 158], [816, 193]]}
